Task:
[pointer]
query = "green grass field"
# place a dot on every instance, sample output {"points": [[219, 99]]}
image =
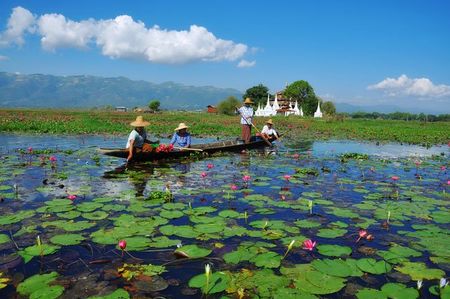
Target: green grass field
{"points": [[203, 124]]}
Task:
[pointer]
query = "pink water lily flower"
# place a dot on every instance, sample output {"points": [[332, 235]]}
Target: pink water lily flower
{"points": [[395, 178], [72, 197], [295, 156], [443, 168], [210, 165], [246, 178], [52, 159], [362, 234], [233, 187], [448, 182], [122, 244], [418, 162], [30, 150], [203, 174], [309, 245], [287, 177]]}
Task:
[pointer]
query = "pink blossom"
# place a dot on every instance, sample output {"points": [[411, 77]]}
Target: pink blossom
{"points": [[233, 187], [448, 182], [295, 156], [418, 162], [52, 159], [309, 245], [395, 178], [122, 244], [30, 150], [72, 196], [203, 174], [362, 234], [287, 177], [246, 178], [443, 168], [210, 165]]}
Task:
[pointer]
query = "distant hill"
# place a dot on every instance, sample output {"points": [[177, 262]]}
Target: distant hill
{"points": [[39, 90]]}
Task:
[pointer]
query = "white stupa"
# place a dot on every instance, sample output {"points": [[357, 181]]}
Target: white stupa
{"points": [[268, 109], [275, 106], [259, 111], [296, 110], [318, 113]]}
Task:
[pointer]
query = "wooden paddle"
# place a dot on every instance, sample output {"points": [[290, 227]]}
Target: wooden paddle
{"points": [[265, 139], [188, 149]]}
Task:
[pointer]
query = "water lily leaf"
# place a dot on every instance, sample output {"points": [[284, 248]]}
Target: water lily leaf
{"points": [[4, 238], [163, 242], [267, 260], [209, 228], [48, 292], [319, 283], [59, 202], [305, 223], [370, 294], [16, 217], [70, 226], [331, 232], [36, 282], [289, 293], [257, 197], [117, 294], [184, 231], [67, 239], [372, 266], [192, 251], [419, 271], [217, 283], [97, 215], [399, 291], [334, 250], [45, 249], [335, 267], [397, 254], [89, 206], [229, 214], [171, 214], [69, 214], [137, 243], [113, 207]]}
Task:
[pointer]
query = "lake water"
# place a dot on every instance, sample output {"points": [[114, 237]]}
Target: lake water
{"points": [[235, 212]]}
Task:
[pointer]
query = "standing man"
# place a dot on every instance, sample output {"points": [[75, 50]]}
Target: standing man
{"points": [[246, 113]]}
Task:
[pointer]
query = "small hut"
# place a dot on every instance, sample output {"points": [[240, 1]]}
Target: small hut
{"points": [[211, 109]]}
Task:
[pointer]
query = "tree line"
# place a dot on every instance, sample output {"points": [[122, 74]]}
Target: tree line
{"points": [[398, 116], [300, 91]]}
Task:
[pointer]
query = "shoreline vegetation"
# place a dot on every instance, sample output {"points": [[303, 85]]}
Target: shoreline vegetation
{"points": [[202, 124]]}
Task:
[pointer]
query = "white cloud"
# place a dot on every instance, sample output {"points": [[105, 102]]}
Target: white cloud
{"points": [[20, 22], [2, 57], [404, 86], [123, 37], [245, 63]]}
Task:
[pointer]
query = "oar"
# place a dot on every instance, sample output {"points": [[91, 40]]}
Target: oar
{"points": [[267, 141], [188, 149]]}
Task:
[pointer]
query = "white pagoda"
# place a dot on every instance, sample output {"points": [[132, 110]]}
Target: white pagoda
{"points": [[298, 111], [318, 113], [259, 111], [268, 111], [275, 106]]}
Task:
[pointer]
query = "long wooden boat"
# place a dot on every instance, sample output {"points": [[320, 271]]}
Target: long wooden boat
{"points": [[207, 148]]}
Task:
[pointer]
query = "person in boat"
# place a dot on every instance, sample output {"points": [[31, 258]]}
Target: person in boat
{"points": [[269, 131], [138, 137], [181, 138], [246, 113]]}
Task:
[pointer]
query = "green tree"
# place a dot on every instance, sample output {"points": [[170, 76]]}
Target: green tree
{"points": [[328, 108], [228, 105], [257, 93], [302, 92], [154, 105]]}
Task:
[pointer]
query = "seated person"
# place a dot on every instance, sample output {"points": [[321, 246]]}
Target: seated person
{"points": [[138, 137], [269, 132], [181, 138]]}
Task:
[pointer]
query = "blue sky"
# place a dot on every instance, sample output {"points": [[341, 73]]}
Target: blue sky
{"points": [[357, 52]]}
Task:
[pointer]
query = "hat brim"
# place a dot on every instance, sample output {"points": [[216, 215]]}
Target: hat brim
{"points": [[181, 128], [139, 124]]}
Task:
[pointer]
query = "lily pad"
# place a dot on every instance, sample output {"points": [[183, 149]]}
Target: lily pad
{"points": [[117, 294], [217, 283], [419, 271], [370, 265], [35, 283], [192, 251], [334, 250], [67, 239], [4, 238]]}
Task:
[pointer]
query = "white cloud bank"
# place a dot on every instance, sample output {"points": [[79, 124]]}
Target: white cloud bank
{"points": [[123, 37], [404, 86]]}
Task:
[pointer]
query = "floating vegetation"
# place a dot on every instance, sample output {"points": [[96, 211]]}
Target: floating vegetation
{"points": [[231, 226]]}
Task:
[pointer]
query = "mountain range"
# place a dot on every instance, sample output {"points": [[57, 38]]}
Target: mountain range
{"points": [[38, 90]]}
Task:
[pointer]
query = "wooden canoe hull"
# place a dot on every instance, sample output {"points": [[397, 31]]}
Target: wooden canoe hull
{"points": [[209, 148]]}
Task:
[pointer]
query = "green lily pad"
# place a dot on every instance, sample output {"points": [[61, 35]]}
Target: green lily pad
{"points": [[334, 250], [16, 217], [192, 251], [173, 214], [67, 239], [370, 265], [89, 206], [4, 238], [97, 215], [117, 294], [419, 271], [217, 283], [370, 294], [318, 283], [35, 283], [69, 214], [229, 214], [45, 249], [48, 292], [399, 291], [163, 242], [335, 267], [331, 232], [267, 260]]}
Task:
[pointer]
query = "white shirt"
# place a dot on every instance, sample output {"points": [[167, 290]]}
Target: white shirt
{"points": [[138, 139], [246, 115], [268, 131]]}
